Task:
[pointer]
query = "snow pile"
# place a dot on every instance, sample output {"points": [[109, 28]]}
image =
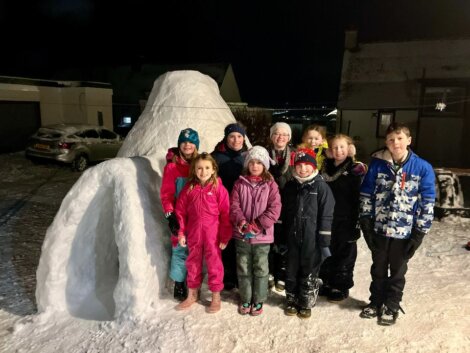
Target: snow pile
{"points": [[106, 253]]}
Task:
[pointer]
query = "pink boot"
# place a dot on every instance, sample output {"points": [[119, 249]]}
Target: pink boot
{"points": [[190, 300], [215, 304]]}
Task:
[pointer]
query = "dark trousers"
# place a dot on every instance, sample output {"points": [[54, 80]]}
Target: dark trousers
{"points": [[277, 256], [337, 270], [229, 259], [388, 271]]}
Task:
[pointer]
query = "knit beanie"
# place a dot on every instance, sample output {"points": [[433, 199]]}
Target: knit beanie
{"points": [[189, 135], [305, 155], [234, 128], [259, 153], [280, 125]]}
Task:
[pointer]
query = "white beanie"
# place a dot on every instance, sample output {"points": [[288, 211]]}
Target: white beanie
{"points": [[280, 125], [259, 153]]}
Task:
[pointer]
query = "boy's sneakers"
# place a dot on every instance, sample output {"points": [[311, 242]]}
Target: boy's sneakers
{"points": [[388, 316], [256, 309], [180, 291], [244, 308], [337, 295], [304, 313], [370, 311], [271, 281], [280, 286]]}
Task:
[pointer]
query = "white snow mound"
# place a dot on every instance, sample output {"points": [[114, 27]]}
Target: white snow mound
{"points": [[106, 253]]}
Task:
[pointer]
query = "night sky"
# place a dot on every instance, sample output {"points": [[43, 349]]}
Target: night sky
{"points": [[282, 52]]}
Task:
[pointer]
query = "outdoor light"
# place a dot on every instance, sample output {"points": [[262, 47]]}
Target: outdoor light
{"points": [[441, 106]]}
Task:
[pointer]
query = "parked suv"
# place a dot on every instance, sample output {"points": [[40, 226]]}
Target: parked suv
{"points": [[75, 144]]}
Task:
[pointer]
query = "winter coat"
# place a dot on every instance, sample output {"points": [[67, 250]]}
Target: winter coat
{"points": [[230, 164], [282, 173], [260, 203], [175, 173], [345, 183], [398, 199], [203, 211], [307, 213]]}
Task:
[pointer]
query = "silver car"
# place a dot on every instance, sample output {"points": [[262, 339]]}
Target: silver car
{"points": [[77, 145]]}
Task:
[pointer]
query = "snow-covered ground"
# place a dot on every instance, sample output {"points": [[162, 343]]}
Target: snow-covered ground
{"points": [[436, 300], [104, 257]]}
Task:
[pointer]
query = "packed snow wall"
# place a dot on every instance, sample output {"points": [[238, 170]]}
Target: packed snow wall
{"points": [[106, 253]]}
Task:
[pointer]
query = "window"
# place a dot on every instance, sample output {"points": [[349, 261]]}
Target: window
{"points": [[384, 119], [89, 134]]}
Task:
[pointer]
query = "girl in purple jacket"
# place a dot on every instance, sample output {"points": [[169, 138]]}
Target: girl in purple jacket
{"points": [[255, 205]]}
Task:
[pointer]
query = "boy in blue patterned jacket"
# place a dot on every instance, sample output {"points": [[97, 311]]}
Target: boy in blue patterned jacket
{"points": [[396, 211]]}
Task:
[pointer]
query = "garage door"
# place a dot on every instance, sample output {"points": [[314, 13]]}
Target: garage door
{"points": [[18, 121]]}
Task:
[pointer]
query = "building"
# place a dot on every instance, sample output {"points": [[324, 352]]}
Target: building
{"points": [[424, 83], [26, 104]]}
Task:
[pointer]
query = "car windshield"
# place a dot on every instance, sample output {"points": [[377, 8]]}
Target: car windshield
{"points": [[49, 133]]}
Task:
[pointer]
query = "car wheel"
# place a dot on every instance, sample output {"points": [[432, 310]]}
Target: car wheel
{"points": [[80, 163]]}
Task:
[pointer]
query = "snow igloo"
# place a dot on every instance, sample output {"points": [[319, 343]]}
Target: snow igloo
{"points": [[106, 254]]}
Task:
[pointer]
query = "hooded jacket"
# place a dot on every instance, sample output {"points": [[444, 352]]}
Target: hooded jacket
{"points": [[260, 203], [174, 174]]}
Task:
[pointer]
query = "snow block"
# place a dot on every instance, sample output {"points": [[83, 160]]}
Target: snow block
{"points": [[106, 254]]}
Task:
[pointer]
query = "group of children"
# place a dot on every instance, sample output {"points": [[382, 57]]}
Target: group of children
{"points": [[295, 214]]}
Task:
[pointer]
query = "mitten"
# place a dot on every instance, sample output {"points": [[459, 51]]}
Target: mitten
{"points": [[172, 223], [359, 169], [325, 251], [367, 226], [413, 243], [324, 240]]}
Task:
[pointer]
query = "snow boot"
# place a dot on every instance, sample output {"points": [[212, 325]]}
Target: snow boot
{"points": [[190, 300], [304, 313], [291, 307], [280, 286], [180, 291], [337, 295], [256, 309], [271, 281], [215, 304], [388, 316], [370, 311], [324, 290]]}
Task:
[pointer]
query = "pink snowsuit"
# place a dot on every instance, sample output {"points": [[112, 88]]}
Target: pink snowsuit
{"points": [[203, 216]]}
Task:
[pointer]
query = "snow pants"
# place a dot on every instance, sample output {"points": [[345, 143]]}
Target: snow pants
{"points": [[388, 255], [178, 263], [252, 271], [204, 247], [337, 270], [229, 259], [303, 265], [277, 255]]}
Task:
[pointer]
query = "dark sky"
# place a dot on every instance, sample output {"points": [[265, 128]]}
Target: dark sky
{"points": [[282, 52]]}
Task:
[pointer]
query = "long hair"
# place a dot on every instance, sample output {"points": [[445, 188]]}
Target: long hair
{"points": [[192, 179], [181, 155]]}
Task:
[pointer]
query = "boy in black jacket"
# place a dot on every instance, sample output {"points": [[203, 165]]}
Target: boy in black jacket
{"points": [[308, 205]]}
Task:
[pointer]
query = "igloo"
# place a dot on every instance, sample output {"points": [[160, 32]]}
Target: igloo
{"points": [[105, 255]]}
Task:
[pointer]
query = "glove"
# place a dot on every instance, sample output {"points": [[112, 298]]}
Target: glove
{"points": [[367, 226], [413, 243], [325, 251], [324, 240], [173, 223], [249, 230]]}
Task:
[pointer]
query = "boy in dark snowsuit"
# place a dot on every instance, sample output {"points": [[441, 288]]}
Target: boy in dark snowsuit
{"points": [[307, 209], [396, 212]]}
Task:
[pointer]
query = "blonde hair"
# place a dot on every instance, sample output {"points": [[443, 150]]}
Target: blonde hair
{"points": [[348, 140], [315, 127], [181, 155], [192, 179]]}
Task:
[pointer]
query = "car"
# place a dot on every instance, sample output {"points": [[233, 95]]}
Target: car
{"points": [[77, 145]]}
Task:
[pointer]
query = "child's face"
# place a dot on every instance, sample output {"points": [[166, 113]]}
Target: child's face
{"points": [[397, 143], [313, 138], [204, 170], [235, 141], [304, 170], [255, 167], [280, 139], [339, 149], [187, 149]]}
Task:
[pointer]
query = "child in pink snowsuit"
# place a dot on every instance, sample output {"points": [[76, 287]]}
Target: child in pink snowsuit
{"points": [[202, 210]]}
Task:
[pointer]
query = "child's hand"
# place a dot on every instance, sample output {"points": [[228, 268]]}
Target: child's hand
{"points": [[241, 226], [222, 246], [182, 240]]}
